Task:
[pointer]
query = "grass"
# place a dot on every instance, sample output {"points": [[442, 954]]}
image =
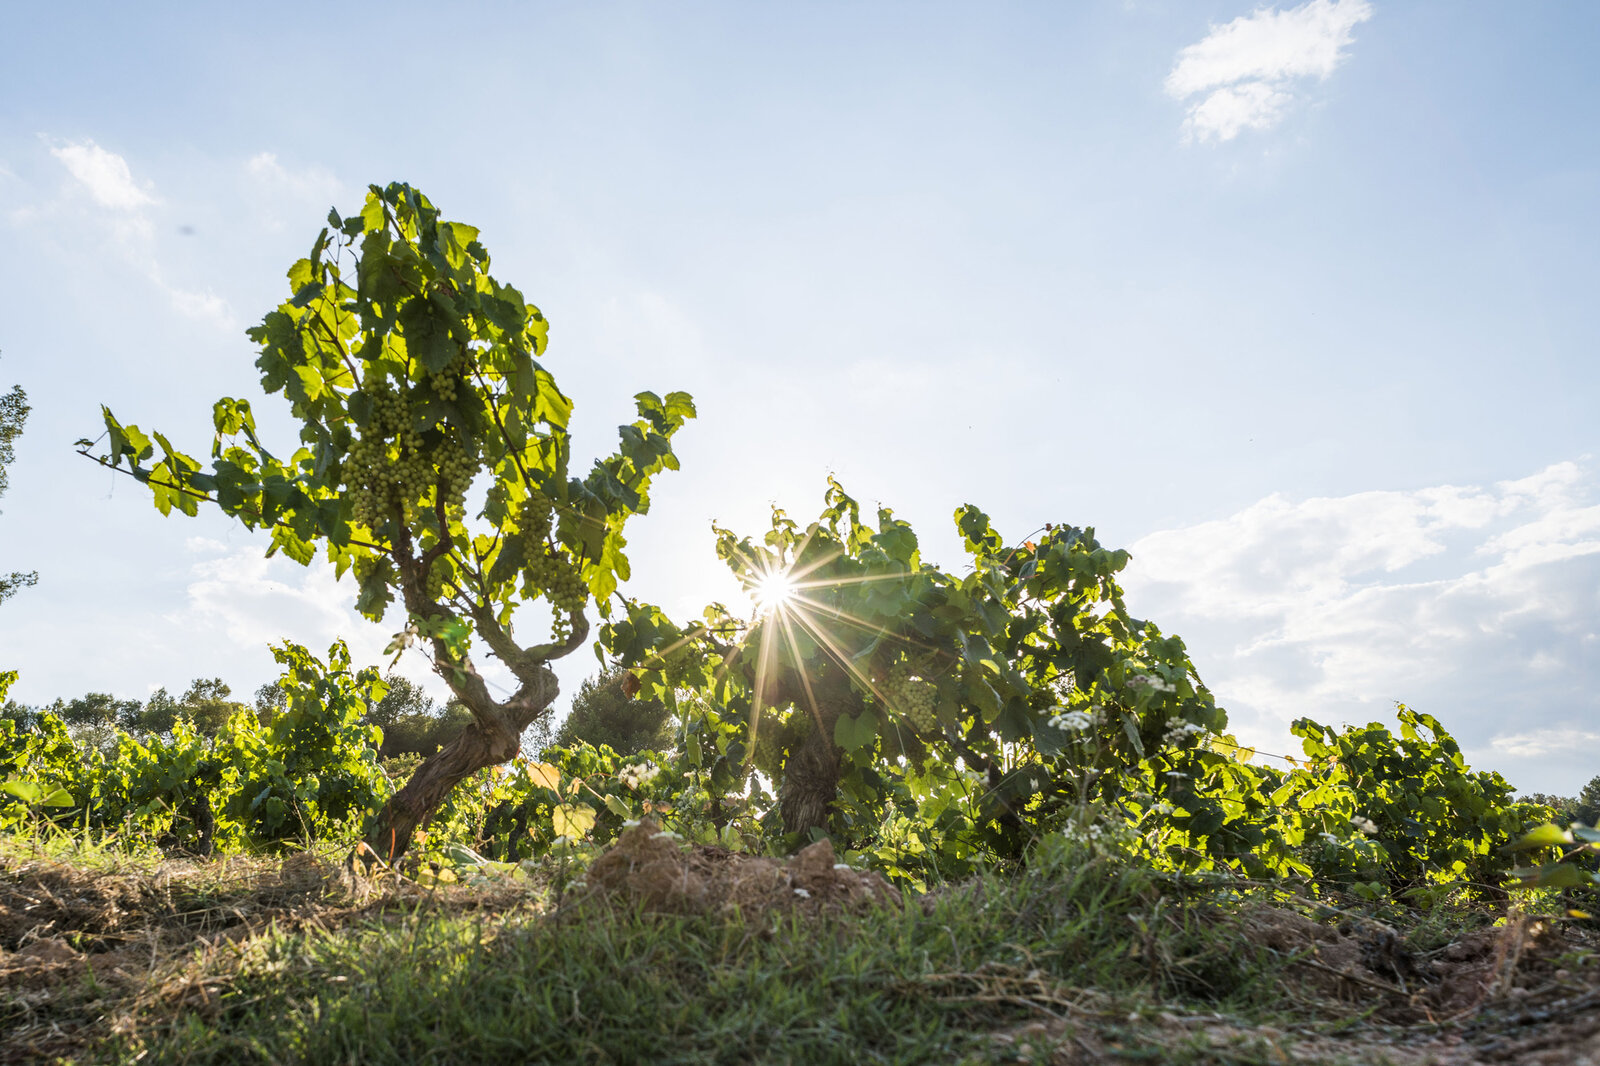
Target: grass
{"points": [[1088, 960], [918, 985]]}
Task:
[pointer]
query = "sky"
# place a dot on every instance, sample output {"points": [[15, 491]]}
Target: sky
{"points": [[1295, 303]]}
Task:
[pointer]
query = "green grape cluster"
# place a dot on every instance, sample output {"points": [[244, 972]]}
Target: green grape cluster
{"points": [[363, 566], [911, 697], [438, 574], [389, 466], [446, 382], [456, 469], [535, 521], [771, 737], [549, 571], [384, 466]]}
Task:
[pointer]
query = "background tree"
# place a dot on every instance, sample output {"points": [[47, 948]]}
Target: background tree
{"points": [[158, 715], [205, 705], [93, 719], [270, 700], [22, 715], [100, 709], [13, 413], [1586, 808], [1565, 808], [603, 713], [412, 723], [404, 699], [414, 376]]}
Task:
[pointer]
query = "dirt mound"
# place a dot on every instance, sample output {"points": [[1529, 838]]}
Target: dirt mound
{"points": [[655, 870]]}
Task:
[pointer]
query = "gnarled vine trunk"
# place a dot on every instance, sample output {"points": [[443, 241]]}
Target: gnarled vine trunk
{"points": [[811, 774], [494, 737]]}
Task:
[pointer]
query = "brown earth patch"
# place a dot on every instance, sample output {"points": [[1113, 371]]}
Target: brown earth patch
{"points": [[652, 869]]}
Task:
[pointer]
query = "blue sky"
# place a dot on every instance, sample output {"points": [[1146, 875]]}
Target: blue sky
{"points": [[1296, 303]]}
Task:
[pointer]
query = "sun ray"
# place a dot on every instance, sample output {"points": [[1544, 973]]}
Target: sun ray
{"points": [[860, 579], [763, 660], [845, 661], [695, 634], [848, 663], [871, 627], [801, 571], [805, 679]]}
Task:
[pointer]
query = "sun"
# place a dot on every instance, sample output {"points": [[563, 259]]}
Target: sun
{"points": [[773, 591]]}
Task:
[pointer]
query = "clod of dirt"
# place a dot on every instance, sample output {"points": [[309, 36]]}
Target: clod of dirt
{"points": [[1350, 962], [653, 869]]}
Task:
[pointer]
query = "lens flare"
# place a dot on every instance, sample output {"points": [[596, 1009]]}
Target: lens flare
{"points": [[773, 592]]}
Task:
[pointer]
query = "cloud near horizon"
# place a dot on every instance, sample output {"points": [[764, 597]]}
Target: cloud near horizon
{"points": [[1244, 75], [1336, 608]]}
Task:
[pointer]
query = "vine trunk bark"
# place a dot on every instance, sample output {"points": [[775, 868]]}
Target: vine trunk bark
{"points": [[493, 738], [811, 775]]}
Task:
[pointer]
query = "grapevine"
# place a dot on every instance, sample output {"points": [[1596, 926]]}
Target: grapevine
{"points": [[416, 379]]}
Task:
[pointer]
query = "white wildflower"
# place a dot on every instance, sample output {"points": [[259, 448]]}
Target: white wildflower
{"points": [[636, 777], [802, 893], [1179, 731], [1366, 825], [1142, 680], [1071, 721]]}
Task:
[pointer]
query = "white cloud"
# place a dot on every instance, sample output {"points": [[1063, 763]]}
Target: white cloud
{"points": [[104, 174], [1544, 743], [252, 600], [1480, 604], [1244, 72], [311, 183]]}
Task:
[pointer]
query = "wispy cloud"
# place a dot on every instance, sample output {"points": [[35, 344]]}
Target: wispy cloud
{"points": [[290, 190], [108, 179], [1476, 603], [239, 596], [104, 174], [250, 600], [1244, 75]]}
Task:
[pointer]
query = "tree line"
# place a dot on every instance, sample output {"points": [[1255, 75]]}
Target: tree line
{"points": [[413, 723]]}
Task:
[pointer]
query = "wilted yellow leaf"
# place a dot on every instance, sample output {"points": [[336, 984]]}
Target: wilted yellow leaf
{"points": [[545, 775], [572, 820]]}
